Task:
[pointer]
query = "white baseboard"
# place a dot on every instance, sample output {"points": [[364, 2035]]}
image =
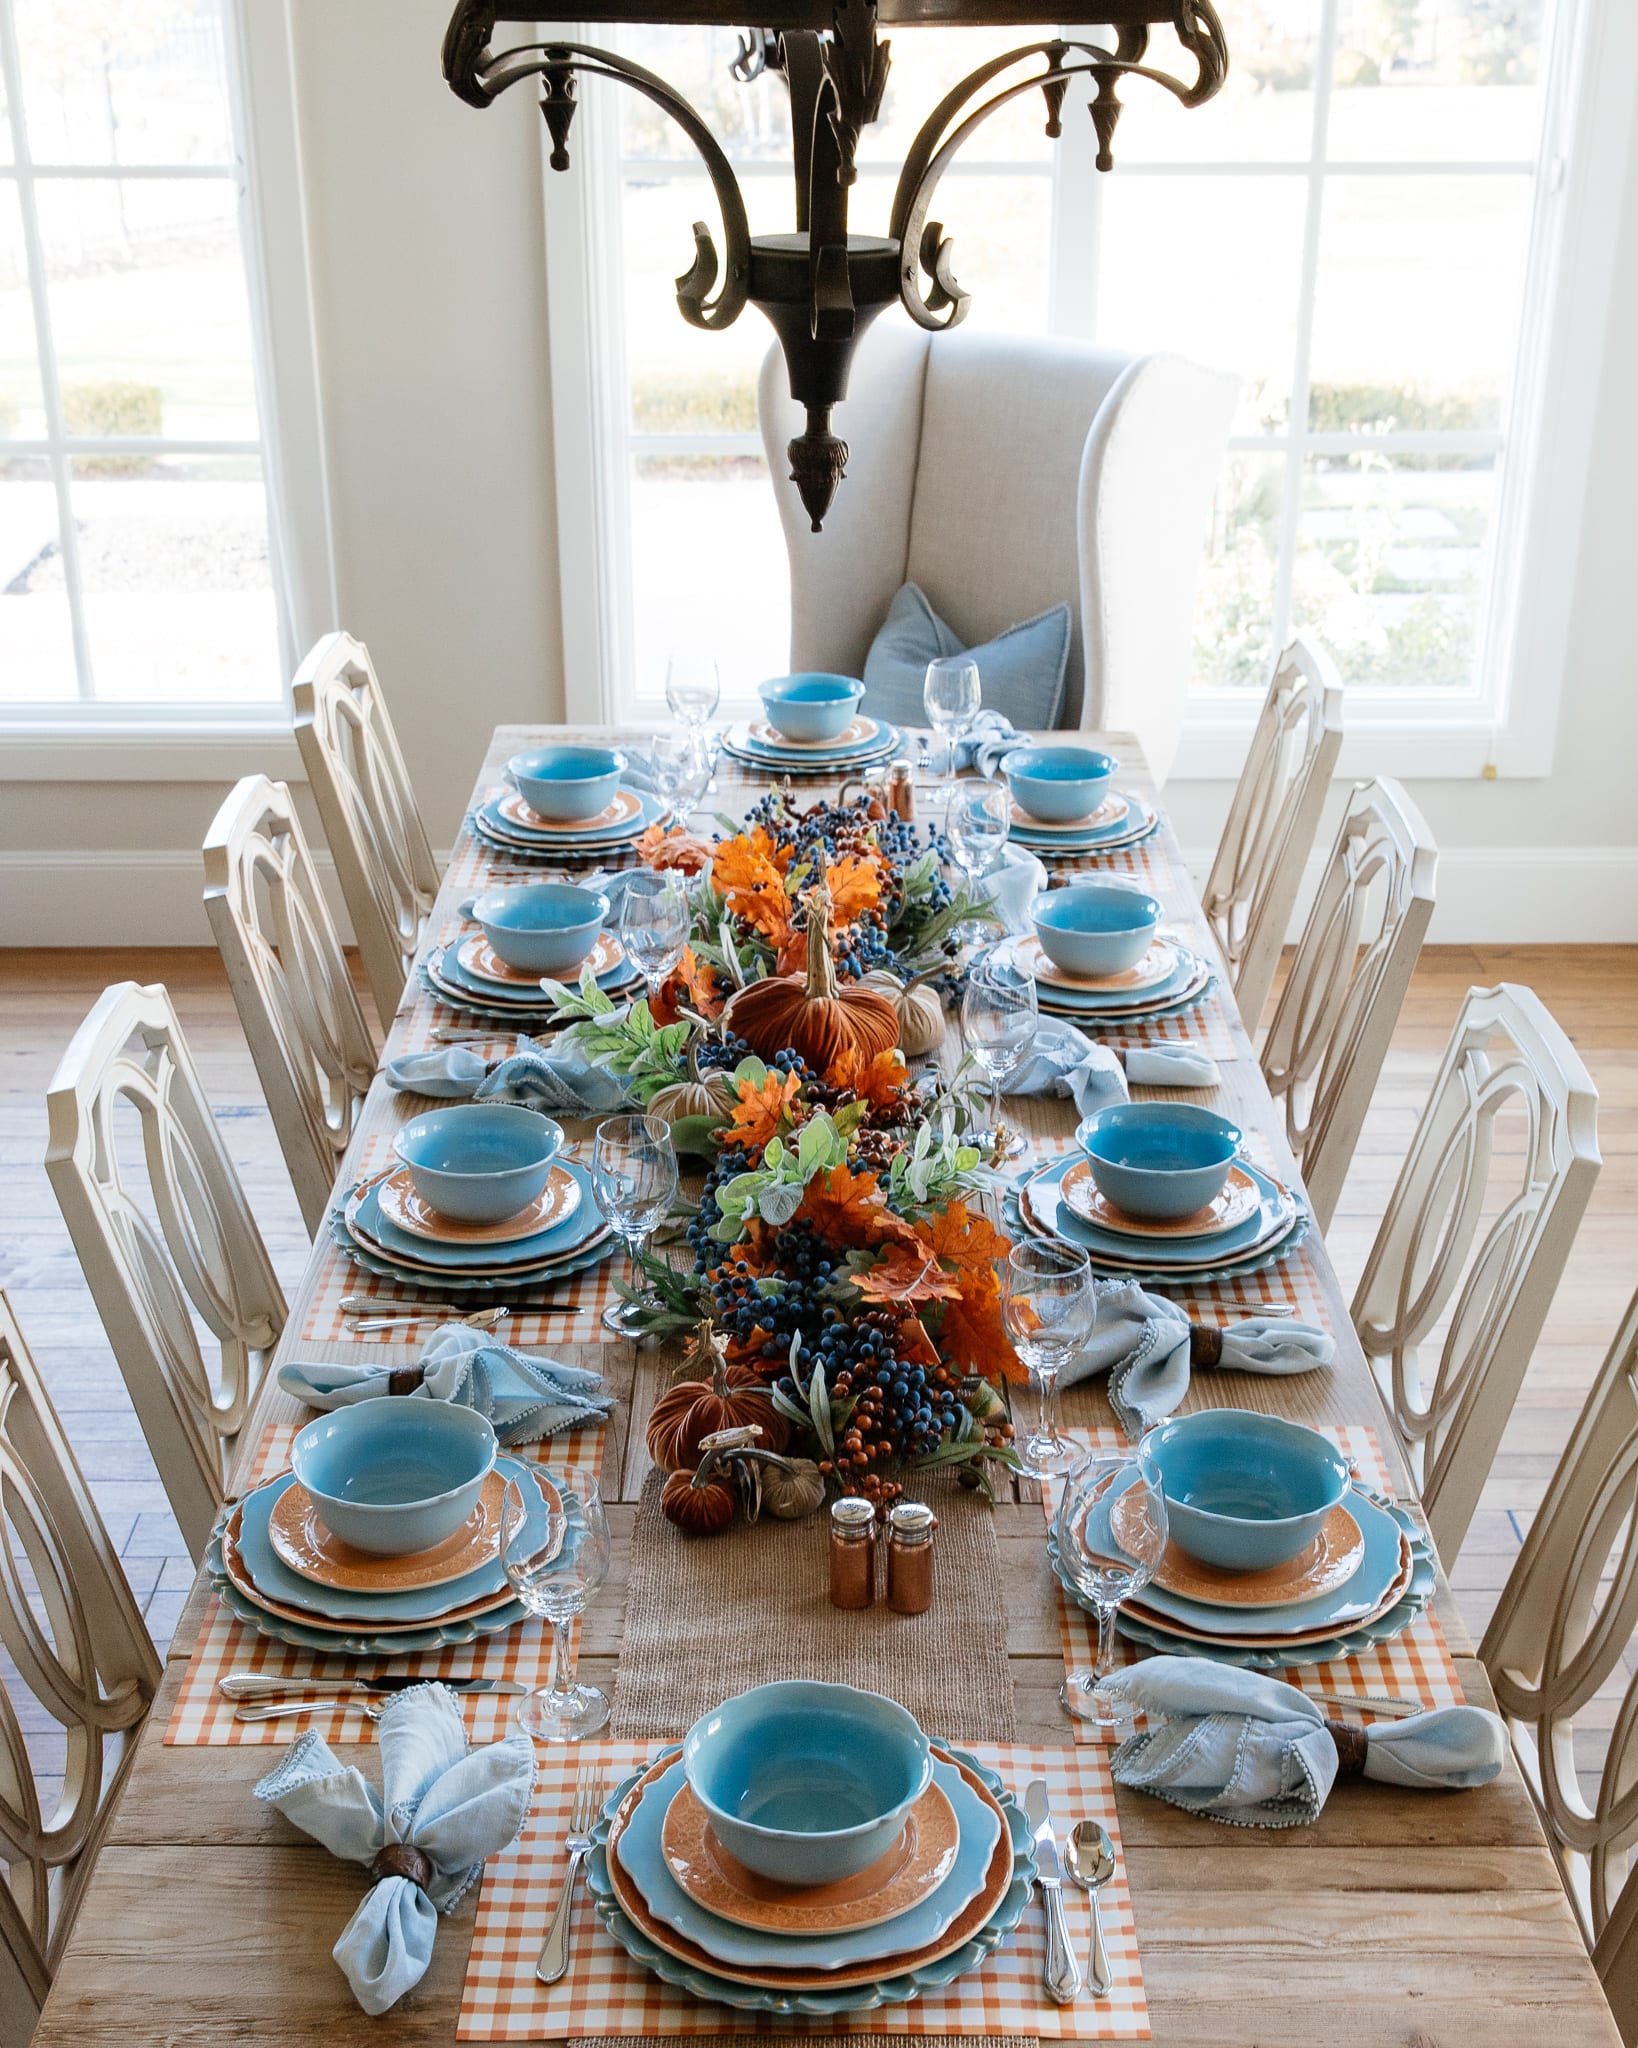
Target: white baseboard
{"points": [[1493, 896]]}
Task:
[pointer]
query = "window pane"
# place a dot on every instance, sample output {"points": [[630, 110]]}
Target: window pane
{"points": [[36, 639], [1264, 111], [1390, 562], [124, 81], [1234, 610], [149, 308], [1437, 79], [22, 411], [1417, 306], [1210, 267], [178, 585], [708, 569]]}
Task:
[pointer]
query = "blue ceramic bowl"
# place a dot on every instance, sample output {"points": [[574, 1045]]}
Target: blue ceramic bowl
{"points": [[1095, 928], [807, 1783], [1058, 785], [1245, 1491], [1159, 1161], [567, 784], [542, 927], [393, 1476], [810, 707], [479, 1162]]}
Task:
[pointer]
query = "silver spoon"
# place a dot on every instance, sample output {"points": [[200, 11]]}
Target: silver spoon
{"points": [[1092, 1864]]}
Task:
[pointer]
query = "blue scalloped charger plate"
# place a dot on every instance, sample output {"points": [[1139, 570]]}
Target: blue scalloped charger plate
{"points": [[1276, 1211], [568, 837], [583, 1222], [510, 1282]]}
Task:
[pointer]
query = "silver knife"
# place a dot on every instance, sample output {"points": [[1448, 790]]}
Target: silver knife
{"points": [[1062, 1974], [258, 1685]]}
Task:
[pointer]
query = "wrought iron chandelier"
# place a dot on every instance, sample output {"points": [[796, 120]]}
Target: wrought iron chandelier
{"points": [[821, 286]]}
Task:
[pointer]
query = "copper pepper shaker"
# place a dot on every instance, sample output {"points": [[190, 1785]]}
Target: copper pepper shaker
{"points": [[901, 788], [852, 1552], [910, 1526]]}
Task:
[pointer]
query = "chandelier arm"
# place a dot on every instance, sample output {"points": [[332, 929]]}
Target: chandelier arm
{"points": [[531, 60]]}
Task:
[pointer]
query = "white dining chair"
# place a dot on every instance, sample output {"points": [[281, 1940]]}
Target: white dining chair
{"points": [[1471, 1248], [1006, 474], [170, 1250], [314, 1052], [368, 809], [1336, 1014], [81, 1674], [1562, 1630], [1272, 822]]}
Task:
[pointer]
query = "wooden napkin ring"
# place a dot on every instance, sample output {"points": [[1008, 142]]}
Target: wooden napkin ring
{"points": [[1205, 1344], [405, 1380], [402, 1859], [1352, 1744]]}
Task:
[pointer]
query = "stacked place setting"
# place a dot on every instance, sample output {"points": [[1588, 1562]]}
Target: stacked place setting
{"points": [[1064, 802], [386, 1535], [1099, 957], [568, 805], [1245, 1538], [482, 1201], [1161, 1191], [529, 941], [812, 725], [808, 1849]]}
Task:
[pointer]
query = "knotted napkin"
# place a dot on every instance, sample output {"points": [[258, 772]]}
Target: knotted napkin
{"points": [[1239, 1747], [556, 1078], [423, 1837], [1148, 1347], [1012, 886], [1062, 1060], [987, 742], [525, 1398]]}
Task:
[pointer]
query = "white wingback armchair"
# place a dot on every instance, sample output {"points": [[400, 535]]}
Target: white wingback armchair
{"points": [[1006, 474]]}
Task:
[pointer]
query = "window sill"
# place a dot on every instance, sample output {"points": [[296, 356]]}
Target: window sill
{"points": [[144, 752]]}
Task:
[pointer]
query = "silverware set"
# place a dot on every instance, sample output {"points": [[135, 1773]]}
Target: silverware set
{"points": [[271, 1698], [1090, 1866]]}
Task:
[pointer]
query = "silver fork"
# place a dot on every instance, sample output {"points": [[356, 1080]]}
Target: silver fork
{"points": [[554, 1950]]}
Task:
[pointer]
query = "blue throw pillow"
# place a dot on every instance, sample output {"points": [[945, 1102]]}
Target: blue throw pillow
{"points": [[1022, 669]]}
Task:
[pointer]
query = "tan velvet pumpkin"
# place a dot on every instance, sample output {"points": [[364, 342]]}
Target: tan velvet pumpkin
{"points": [[809, 1012]]}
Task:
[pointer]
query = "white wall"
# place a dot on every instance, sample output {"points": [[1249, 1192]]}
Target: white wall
{"points": [[425, 232]]}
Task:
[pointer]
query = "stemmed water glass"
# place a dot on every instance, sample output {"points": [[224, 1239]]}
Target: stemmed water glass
{"points": [[654, 923], [634, 1177], [1111, 1535], [682, 766], [557, 1577], [977, 819], [999, 1017], [693, 686], [1049, 1305], [952, 695]]}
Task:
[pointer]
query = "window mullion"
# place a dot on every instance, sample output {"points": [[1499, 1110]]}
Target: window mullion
{"points": [[50, 384]]}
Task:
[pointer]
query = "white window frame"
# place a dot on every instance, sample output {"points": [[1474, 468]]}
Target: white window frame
{"points": [[1507, 726], [89, 740]]}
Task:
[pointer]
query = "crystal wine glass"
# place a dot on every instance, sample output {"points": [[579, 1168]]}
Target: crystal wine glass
{"points": [[554, 1576], [977, 819], [1111, 1531], [1049, 1306], [952, 694], [634, 1177], [682, 766], [693, 686], [999, 1017], [654, 923]]}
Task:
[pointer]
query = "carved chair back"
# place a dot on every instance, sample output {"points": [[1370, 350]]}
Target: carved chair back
{"points": [[1341, 1000], [1469, 1254], [371, 819], [313, 1050], [79, 1676], [1559, 1639], [1252, 888], [169, 1248]]}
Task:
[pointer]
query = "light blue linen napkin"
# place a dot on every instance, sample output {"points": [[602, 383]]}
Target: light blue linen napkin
{"points": [[1168, 1066], [987, 742], [1062, 1060], [527, 1399], [1148, 1347], [453, 1806], [1253, 1751], [1012, 886], [557, 1078]]}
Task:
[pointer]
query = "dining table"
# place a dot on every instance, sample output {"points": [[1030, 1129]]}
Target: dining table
{"points": [[1398, 1916]]}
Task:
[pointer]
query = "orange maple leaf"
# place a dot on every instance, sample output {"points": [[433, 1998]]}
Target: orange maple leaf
{"points": [[693, 982], [673, 848], [906, 1272], [855, 886], [876, 1081], [763, 1108], [848, 1208], [915, 1347], [968, 1240], [973, 1338]]}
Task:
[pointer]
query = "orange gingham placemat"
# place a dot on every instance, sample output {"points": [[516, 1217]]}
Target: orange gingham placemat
{"points": [[572, 1316], [1415, 1665], [225, 1644], [606, 1993]]}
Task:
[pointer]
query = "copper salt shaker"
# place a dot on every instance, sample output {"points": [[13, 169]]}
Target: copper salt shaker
{"points": [[901, 790], [852, 1552], [910, 1526]]}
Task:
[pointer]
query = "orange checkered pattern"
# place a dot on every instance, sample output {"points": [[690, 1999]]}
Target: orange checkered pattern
{"points": [[1415, 1665], [225, 1644], [605, 1993]]}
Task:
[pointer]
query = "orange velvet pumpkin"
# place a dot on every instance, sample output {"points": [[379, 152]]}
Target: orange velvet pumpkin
{"points": [[699, 1507], [694, 1409], [809, 1012]]}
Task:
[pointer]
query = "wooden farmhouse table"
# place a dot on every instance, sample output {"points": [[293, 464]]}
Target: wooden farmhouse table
{"points": [[1399, 1918]]}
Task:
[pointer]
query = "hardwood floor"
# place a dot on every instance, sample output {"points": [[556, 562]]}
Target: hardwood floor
{"points": [[43, 995]]}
